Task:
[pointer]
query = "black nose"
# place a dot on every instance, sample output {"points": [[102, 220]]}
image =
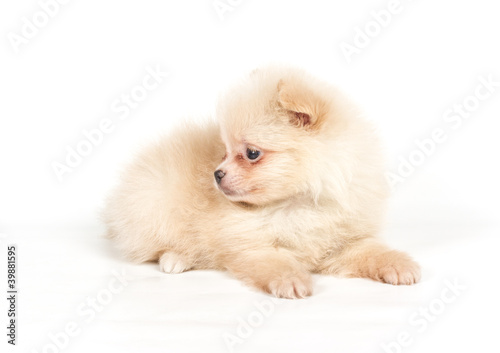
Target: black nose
{"points": [[219, 174]]}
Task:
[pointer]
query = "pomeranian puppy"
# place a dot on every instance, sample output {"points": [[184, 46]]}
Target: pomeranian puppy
{"points": [[288, 182]]}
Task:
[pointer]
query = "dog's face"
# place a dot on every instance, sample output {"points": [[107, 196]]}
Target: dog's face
{"points": [[255, 170], [270, 130]]}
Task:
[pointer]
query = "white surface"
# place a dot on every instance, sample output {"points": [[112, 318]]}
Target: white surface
{"points": [[65, 79], [193, 311]]}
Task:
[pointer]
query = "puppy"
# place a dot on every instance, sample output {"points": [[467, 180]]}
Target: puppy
{"points": [[288, 182]]}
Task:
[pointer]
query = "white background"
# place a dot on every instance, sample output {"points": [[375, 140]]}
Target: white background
{"points": [[65, 79]]}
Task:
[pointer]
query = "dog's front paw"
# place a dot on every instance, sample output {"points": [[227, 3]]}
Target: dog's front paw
{"points": [[171, 262], [395, 268], [292, 287]]}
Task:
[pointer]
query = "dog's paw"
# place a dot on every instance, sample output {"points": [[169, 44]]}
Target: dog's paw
{"points": [[293, 287], [396, 269], [171, 262]]}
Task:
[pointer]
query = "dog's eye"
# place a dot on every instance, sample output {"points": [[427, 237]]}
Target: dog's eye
{"points": [[252, 154]]}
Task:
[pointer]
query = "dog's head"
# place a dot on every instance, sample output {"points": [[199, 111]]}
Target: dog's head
{"points": [[272, 126]]}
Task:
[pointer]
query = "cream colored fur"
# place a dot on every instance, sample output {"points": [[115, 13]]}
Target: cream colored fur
{"points": [[312, 203]]}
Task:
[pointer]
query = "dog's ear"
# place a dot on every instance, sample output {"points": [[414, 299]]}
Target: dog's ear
{"points": [[304, 106]]}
